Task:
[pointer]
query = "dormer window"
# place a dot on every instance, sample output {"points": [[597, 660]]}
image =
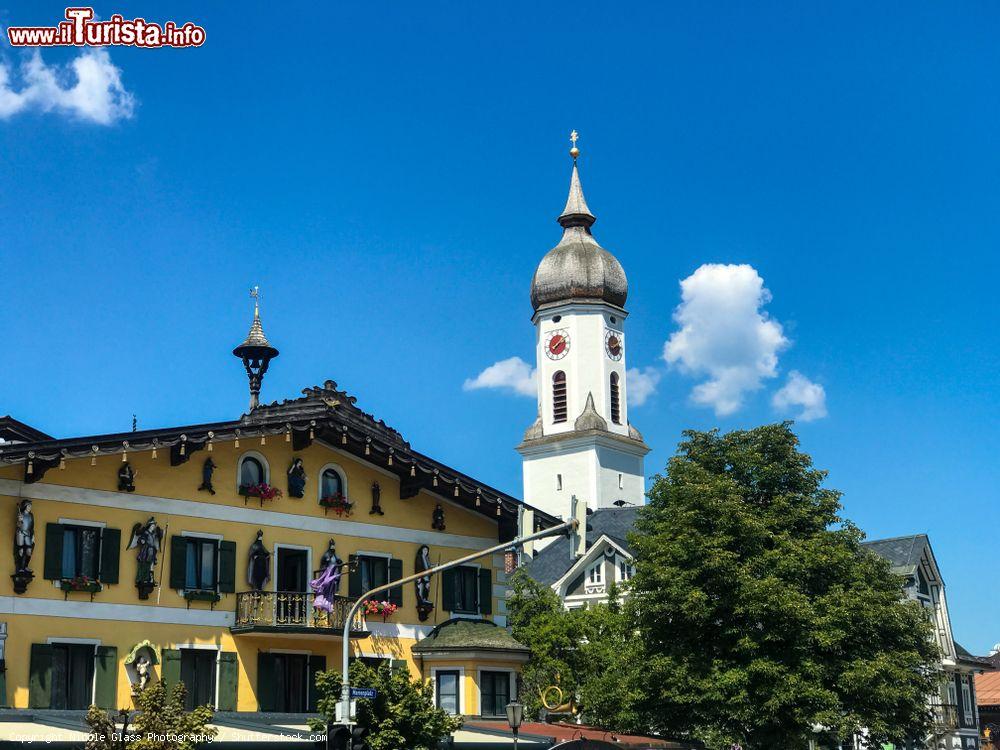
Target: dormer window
{"points": [[559, 410]]}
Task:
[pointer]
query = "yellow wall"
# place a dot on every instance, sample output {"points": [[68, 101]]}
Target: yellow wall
{"points": [[157, 479], [469, 676]]}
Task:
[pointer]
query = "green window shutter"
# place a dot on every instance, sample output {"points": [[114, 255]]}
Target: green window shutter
{"points": [[448, 589], [317, 664], [53, 551], [485, 591], [178, 562], [395, 573], [170, 671], [111, 543], [40, 673], [106, 677], [354, 578], [227, 568], [228, 680], [265, 682]]}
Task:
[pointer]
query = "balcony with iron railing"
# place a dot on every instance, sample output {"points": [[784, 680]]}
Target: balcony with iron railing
{"points": [[944, 718], [293, 612]]}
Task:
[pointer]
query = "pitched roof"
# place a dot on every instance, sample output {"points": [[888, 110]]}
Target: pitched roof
{"points": [[462, 635], [902, 551], [323, 412], [988, 689], [551, 564]]}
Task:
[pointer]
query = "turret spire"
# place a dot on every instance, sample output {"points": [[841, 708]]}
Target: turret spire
{"points": [[255, 352], [576, 213]]}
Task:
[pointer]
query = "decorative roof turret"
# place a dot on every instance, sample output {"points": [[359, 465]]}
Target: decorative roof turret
{"points": [[578, 268], [589, 419], [256, 352]]}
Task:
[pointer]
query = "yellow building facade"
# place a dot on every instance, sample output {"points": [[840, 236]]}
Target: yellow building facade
{"points": [[230, 603]]}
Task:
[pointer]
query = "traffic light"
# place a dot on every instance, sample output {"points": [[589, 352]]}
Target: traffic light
{"points": [[359, 737], [578, 537], [338, 737]]}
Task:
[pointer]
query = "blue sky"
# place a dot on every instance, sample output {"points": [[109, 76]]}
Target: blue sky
{"points": [[390, 177]]}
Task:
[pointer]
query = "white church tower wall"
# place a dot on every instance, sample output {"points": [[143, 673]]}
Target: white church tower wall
{"points": [[582, 443]]}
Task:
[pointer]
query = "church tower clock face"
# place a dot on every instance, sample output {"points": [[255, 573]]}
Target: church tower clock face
{"points": [[613, 344], [557, 344]]}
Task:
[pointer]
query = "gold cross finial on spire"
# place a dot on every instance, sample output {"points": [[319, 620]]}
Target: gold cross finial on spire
{"points": [[574, 151]]}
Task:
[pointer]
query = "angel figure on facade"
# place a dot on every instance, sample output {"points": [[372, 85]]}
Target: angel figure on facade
{"points": [[147, 538], [325, 585]]}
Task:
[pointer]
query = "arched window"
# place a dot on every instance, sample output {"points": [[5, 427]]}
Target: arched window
{"points": [[559, 397], [251, 472], [616, 409], [331, 484]]}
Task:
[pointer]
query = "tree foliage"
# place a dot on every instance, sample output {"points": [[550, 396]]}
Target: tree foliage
{"points": [[402, 715], [162, 723], [762, 614], [592, 655]]}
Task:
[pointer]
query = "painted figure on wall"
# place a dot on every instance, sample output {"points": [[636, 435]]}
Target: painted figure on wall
{"points": [[126, 478], [423, 584], [376, 500], [147, 539], [297, 478], [24, 537], [437, 521], [207, 470], [326, 584], [258, 564]]}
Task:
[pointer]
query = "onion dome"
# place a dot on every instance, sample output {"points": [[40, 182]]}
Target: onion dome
{"points": [[578, 268]]}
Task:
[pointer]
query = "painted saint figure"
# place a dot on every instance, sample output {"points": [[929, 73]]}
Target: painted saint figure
{"points": [[423, 584], [24, 537], [207, 469], [147, 538], [258, 564], [437, 520], [297, 478], [126, 478], [326, 584]]}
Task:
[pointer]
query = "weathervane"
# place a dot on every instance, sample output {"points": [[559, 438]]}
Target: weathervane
{"points": [[574, 151]]}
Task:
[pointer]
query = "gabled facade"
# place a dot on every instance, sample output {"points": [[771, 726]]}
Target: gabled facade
{"points": [[586, 580], [956, 721], [226, 555]]}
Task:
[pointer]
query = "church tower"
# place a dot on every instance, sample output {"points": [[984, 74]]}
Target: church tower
{"points": [[581, 443]]}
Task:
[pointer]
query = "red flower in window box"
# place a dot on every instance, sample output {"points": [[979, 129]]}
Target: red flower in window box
{"points": [[80, 583], [381, 609], [338, 504], [264, 491]]}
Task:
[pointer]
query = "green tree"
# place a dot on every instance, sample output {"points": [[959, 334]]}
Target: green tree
{"points": [[762, 614], [162, 723], [402, 715], [592, 654]]}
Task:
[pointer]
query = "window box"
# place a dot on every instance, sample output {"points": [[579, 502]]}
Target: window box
{"points": [[80, 583], [199, 595], [338, 504], [384, 610], [262, 491]]}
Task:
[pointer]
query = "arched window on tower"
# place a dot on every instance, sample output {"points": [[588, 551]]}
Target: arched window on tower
{"points": [[559, 397], [616, 409]]}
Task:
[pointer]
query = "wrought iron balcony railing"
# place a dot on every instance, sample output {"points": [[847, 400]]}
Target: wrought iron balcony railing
{"points": [[291, 610]]}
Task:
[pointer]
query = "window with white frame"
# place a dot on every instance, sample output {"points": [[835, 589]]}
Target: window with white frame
{"points": [[625, 570], [966, 699], [595, 575]]}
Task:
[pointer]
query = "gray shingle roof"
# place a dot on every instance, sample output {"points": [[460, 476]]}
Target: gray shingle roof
{"points": [[551, 563], [902, 551], [463, 635]]}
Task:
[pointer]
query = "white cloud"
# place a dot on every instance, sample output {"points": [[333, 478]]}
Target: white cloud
{"points": [[89, 88], [725, 335], [641, 384], [800, 391], [513, 374]]}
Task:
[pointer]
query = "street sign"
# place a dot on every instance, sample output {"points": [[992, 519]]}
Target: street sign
{"points": [[363, 692]]}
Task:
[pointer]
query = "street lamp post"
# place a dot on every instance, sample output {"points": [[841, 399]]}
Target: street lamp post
{"points": [[515, 712]]}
